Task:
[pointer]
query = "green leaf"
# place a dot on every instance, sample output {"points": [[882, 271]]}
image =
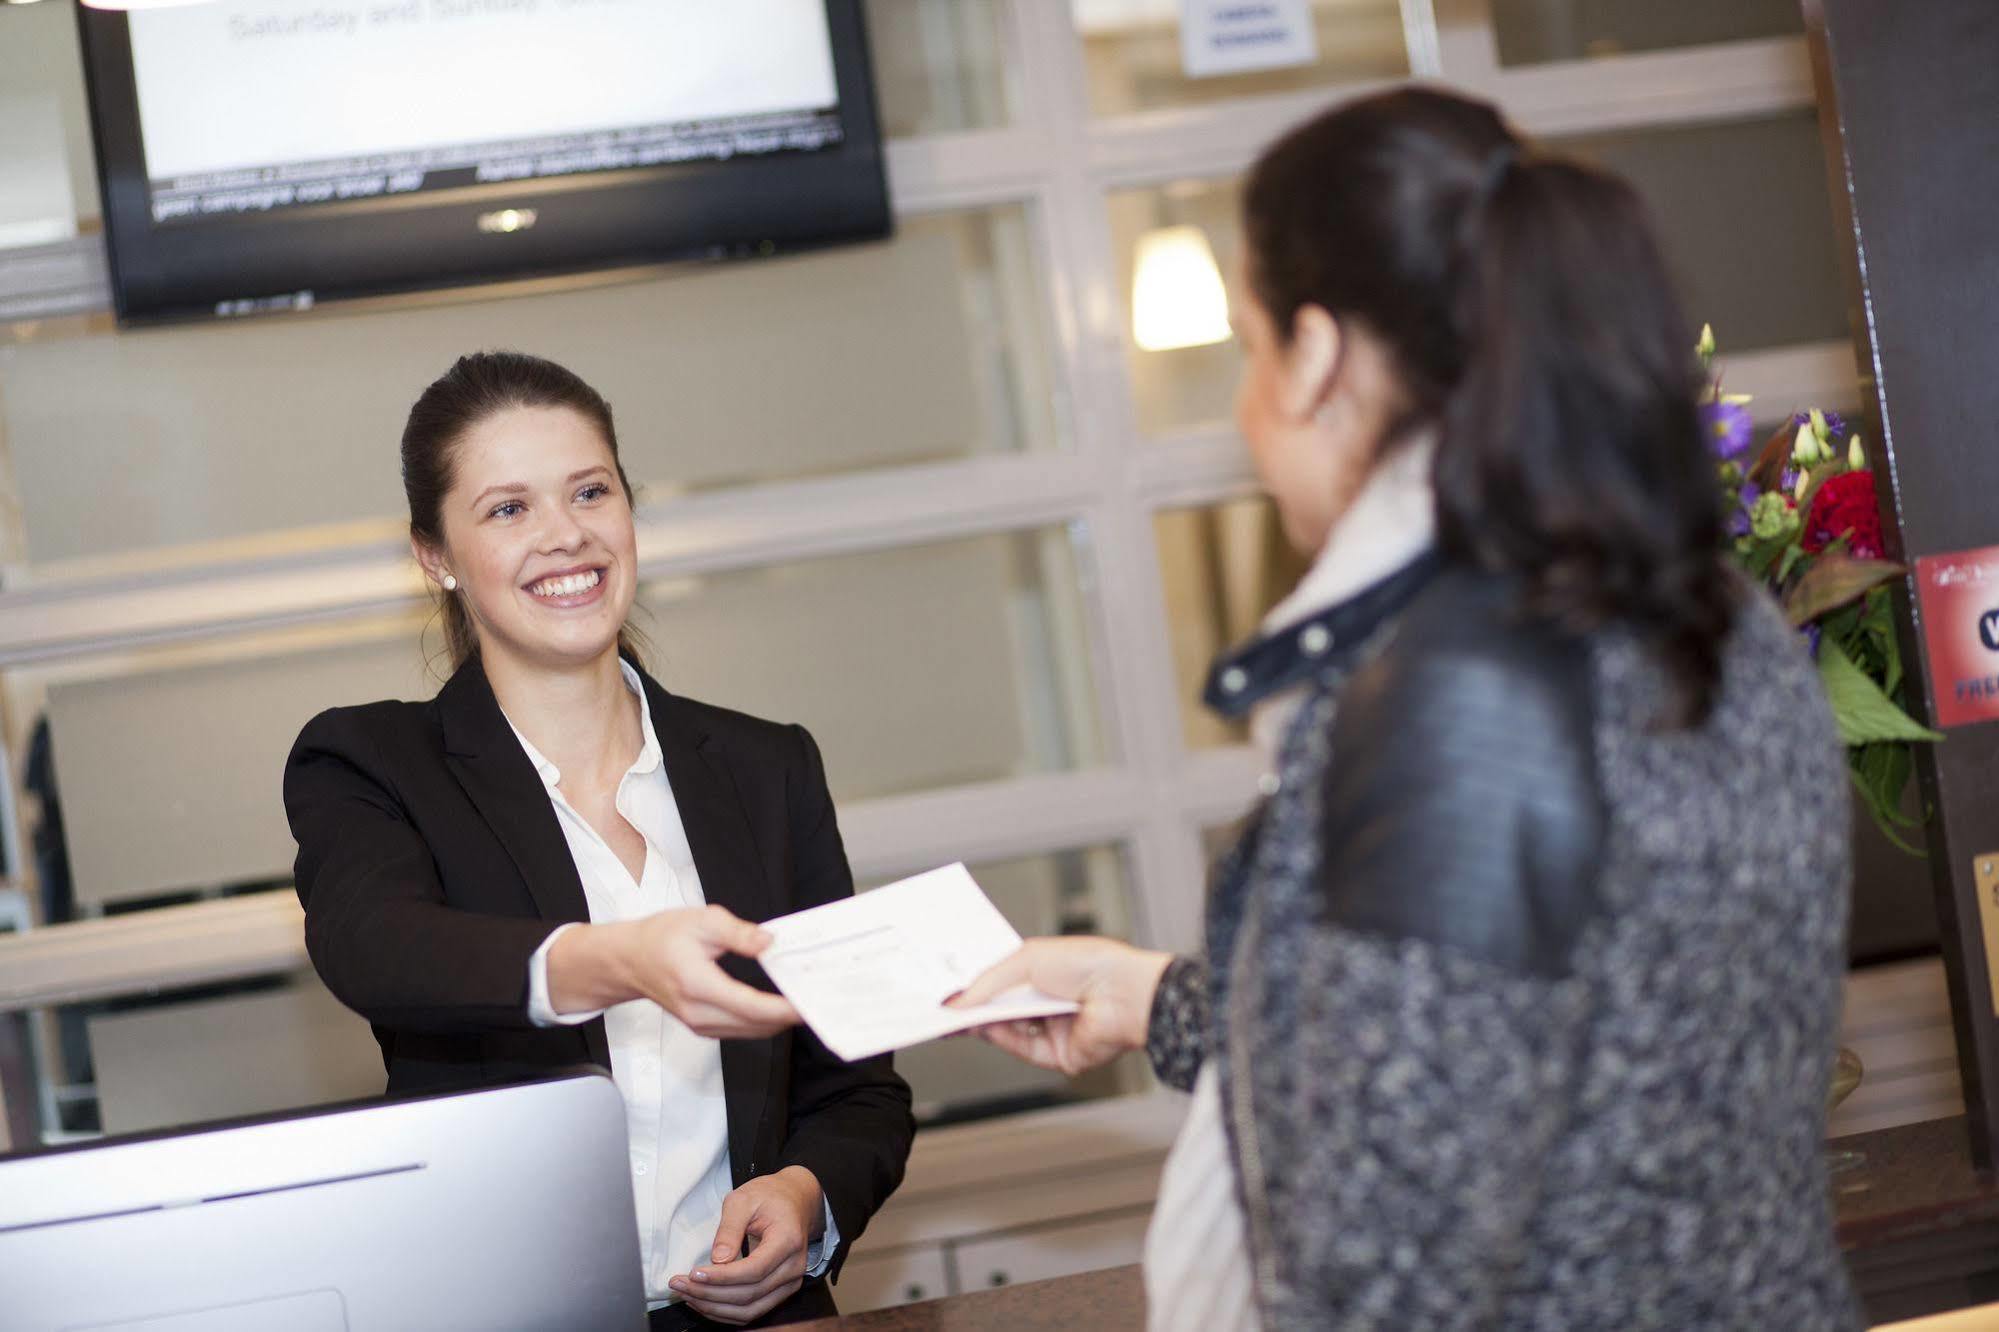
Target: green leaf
{"points": [[1886, 818], [1792, 554], [1881, 773], [1863, 712], [1878, 622], [1884, 770], [1763, 554], [1835, 579]]}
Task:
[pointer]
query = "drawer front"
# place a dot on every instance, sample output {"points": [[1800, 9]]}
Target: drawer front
{"points": [[896, 1276], [1053, 1251]]}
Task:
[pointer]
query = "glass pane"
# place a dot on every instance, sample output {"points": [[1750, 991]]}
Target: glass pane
{"points": [[1534, 31], [1068, 892], [1172, 242], [48, 175], [1746, 218], [964, 661], [937, 66], [960, 662], [205, 435], [157, 1060], [1223, 568], [1133, 59]]}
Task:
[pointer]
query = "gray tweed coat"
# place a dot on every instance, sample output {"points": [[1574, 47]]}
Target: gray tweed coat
{"points": [[1524, 1006]]}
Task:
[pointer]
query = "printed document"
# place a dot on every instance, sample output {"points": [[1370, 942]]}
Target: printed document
{"points": [[871, 973]]}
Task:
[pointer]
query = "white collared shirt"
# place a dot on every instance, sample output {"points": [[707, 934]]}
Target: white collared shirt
{"points": [[670, 1078]]}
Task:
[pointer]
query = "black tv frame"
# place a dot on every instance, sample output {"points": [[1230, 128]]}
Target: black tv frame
{"points": [[303, 255]]}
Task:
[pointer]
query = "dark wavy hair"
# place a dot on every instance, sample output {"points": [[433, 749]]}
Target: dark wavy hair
{"points": [[474, 388], [1531, 320]]}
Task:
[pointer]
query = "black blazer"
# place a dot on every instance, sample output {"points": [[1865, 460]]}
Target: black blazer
{"points": [[431, 866]]}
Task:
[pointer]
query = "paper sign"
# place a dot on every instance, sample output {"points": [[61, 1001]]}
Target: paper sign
{"points": [[1959, 598], [1235, 36], [871, 973]]}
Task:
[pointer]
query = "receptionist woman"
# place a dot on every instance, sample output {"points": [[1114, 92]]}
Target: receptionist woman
{"points": [[557, 861]]}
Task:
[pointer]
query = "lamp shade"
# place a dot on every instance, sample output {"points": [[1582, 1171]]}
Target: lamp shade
{"points": [[1177, 297]]}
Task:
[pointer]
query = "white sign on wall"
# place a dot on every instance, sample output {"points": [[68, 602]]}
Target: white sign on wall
{"points": [[1234, 36]]}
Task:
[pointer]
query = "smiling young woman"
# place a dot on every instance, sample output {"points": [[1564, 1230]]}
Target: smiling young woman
{"points": [[557, 861]]}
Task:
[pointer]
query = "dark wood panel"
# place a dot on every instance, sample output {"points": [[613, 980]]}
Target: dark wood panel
{"points": [[1909, 104]]}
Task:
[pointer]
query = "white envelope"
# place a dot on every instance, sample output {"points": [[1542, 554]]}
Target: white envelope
{"points": [[871, 973]]}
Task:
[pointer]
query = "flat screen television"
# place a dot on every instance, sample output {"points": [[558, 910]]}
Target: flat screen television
{"points": [[260, 155]]}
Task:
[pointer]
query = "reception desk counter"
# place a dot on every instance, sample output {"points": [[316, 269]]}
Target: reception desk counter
{"points": [[1918, 1221], [1113, 1298]]}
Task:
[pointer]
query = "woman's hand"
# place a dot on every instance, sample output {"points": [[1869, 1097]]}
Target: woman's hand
{"points": [[1112, 981], [669, 958], [777, 1216]]}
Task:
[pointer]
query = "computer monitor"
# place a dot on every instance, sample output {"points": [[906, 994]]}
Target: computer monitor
{"points": [[500, 1208]]}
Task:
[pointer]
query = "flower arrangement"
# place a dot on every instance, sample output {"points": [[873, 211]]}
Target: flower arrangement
{"points": [[1802, 519]]}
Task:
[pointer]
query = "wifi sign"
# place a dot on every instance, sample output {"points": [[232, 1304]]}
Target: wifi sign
{"points": [[1988, 629]]}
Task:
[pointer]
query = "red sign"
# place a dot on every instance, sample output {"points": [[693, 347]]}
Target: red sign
{"points": [[1959, 595]]}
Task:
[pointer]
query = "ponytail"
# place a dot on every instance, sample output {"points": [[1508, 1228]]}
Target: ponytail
{"points": [[1571, 451]]}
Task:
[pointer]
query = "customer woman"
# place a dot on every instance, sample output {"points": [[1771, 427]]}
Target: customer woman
{"points": [[1520, 992], [555, 861]]}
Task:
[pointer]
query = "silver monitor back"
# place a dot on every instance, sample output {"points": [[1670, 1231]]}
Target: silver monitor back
{"points": [[502, 1208]]}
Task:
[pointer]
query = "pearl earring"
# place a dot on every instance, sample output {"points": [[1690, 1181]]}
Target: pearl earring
{"points": [[450, 583]]}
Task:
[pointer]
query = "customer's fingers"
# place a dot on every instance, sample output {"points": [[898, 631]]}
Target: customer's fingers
{"points": [[1032, 1041], [1002, 976]]}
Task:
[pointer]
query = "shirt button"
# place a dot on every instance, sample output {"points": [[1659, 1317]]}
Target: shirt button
{"points": [[1270, 784], [639, 1168], [1234, 680], [1315, 640]]}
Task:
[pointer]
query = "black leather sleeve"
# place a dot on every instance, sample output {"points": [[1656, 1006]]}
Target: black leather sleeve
{"points": [[1461, 805], [851, 1124]]}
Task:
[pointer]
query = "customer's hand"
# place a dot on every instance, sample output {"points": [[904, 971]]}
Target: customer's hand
{"points": [[777, 1216], [669, 957], [1112, 981]]}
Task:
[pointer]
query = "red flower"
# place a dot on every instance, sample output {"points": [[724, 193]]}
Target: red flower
{"points": [[1845, 505]]}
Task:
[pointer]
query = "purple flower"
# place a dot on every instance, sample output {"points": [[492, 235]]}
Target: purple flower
{"points": [[1812, 633], [1738, 517], [1789, 481], [1834, 426], [1728, 428]]}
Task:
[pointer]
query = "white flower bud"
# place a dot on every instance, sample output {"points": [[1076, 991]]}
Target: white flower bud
{"points": [[1706, 345], [1819, 427], [1856, 457], [1805, 446]]}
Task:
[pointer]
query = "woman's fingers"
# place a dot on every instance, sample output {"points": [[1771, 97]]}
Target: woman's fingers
{"points": [[997, 979], [730, 933], [715, 1001], [676, 968], [1036, 1041], [1062, 968]]}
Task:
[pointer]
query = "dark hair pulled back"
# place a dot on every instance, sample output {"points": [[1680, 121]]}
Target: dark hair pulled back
{"points": [[476, 387], [1531, 319]]}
